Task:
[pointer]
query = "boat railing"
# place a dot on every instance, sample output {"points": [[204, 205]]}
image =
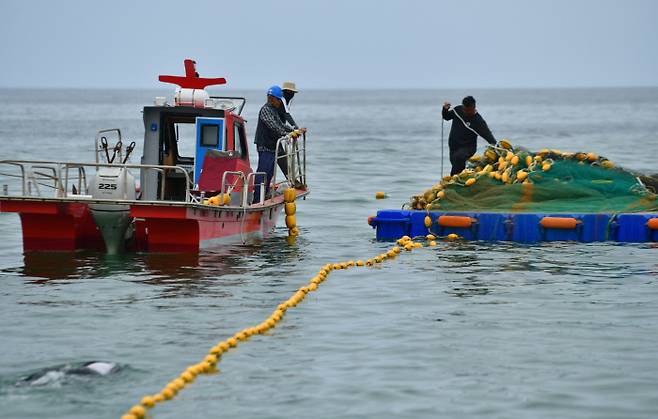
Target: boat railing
{"points": [[294, 153], [251, 177], [238, 176], [33, 175]]}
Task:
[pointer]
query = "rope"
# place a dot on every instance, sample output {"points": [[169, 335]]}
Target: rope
{"points": [[465, 124], [475, 132], [442, 144], [209, 363]]}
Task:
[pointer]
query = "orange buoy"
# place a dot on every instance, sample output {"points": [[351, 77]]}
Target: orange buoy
{"points": [[455, 221], [653, 224], [561, 223]]}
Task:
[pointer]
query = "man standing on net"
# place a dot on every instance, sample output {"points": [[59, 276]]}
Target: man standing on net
{"points": [[467, 125]]}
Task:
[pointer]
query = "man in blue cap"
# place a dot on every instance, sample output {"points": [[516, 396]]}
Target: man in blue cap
{"points": [[269, 129]]}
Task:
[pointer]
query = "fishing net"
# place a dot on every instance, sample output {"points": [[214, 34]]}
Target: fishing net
{"points": [[513, 179]]}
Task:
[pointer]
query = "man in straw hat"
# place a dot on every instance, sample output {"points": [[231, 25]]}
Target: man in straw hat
{"points": [[289, 89]]}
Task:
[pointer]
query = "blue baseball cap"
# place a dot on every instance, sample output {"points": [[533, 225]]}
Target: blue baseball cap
{"points": [[275, 91]]}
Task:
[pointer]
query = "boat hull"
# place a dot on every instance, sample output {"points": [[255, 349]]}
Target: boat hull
{"points": [[61, 224]]}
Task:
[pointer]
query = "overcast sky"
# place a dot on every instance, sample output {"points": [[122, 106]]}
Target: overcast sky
{"points": [[331, 44]]}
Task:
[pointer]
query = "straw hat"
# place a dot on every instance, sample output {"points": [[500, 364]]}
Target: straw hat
{"points": [[288, 85]]}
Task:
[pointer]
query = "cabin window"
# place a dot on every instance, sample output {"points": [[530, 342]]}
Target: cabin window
{"points": [[209, 135], [239, 141]]}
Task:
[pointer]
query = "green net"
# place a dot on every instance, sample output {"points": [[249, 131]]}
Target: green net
{"points": [[507, 179]]}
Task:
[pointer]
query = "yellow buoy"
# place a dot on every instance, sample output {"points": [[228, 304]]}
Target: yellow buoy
{"points": [[475, 158], [470, 181], [502, 165], [168, 393], [289, 195], [514, 160], [226, 199], [546, 167], [147, 402], [430, 237], [428, 221], [294, 232], [505, 144], [138, 411], [291, 208], [528, 160], [607, 164], [452, 236], [441, 195], [186, 376], [592, 157], [504, 177], [521, 175], [509, 156], [291, 221], [538, 158], [380, 195]]}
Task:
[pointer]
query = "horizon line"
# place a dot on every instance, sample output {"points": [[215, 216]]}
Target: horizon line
{"points": [[164, 87]]}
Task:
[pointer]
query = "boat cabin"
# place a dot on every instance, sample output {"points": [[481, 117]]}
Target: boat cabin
{"points": [[202, 134]]}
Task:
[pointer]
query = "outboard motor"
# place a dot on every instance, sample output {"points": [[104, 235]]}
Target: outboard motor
{"points": [[113, 219], [112, 183]]}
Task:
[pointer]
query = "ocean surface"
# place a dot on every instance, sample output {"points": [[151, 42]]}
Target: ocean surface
{"points": [[463, 330]]}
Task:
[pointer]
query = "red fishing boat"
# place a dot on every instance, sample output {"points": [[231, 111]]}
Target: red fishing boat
{"points": [[181, 202]]}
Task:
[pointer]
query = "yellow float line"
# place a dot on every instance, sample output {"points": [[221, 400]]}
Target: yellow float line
{"points": [[209, 364]]}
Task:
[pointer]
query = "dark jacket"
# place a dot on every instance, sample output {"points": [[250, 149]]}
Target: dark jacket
{"points": [[270, 127], [460, 135]]}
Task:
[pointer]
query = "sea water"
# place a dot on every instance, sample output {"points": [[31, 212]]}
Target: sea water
{"points": [[462, 330]]}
